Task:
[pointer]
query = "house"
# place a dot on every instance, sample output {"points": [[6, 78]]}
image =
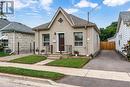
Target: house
{"points": [[123, 30], [3, 23], [67, 33], [111, 39], [16, 36]]}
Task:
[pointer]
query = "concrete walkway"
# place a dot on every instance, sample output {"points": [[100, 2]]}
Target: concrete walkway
{"points": [[8, 58], [109, 61], [44, 62], [111, 75]]}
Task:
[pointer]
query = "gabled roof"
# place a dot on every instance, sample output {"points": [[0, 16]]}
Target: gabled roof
{"points": [[74, 21], [3, 22], [125, 17], [17, 27]]}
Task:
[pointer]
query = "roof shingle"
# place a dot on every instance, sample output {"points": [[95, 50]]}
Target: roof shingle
{"points": [[76, 21], [3, 22], [18, 27]]}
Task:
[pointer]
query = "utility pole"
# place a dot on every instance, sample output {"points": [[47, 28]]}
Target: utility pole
{"points": [[88, 16]]}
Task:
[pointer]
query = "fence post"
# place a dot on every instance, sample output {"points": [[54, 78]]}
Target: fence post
{"points": [[30, 47], [33, 47], [18, 47], [51, 49]]}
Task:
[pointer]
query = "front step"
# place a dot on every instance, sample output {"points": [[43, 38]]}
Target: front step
{"points": [[54, 56]]}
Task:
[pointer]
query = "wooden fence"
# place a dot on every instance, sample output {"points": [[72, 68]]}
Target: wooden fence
{"points": [[104, 45]]}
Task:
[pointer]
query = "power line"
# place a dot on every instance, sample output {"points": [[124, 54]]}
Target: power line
{"points": [[96, 6], [94, 9]]}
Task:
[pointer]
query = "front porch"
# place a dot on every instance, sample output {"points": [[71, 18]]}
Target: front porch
{"points": [[48, 50]]}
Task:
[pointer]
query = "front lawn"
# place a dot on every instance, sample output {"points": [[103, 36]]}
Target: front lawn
{"points": [[29, 59], [2, 54], [31, 73], [70, 62]]}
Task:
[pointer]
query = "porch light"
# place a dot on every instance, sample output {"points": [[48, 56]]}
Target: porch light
{"points": [[54, 33], [88, 39]]}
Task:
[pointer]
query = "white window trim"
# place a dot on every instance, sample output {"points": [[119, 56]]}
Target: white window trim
{"points": [[78, 41], [45, 41]]}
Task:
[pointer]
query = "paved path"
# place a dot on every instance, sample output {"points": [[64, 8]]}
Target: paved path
{"points": [[8, 58], [109, 61], [111, 75], [44, 62]]}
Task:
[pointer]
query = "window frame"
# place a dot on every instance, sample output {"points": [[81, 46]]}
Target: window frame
{"points": [[78, 41], [43, 40]]}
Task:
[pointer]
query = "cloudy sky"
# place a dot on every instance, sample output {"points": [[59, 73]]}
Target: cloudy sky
{"points": [[36, 12]]}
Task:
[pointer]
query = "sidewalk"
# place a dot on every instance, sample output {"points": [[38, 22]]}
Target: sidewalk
{"points": [[111, 75], [44, 62], [8, 58]]}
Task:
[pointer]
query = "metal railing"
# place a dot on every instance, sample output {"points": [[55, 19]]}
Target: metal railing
{"points": [[67, 49]]}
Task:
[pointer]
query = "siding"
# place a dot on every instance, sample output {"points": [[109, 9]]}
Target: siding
{"points": [[23, 39], [69, 36], [123, 35]]}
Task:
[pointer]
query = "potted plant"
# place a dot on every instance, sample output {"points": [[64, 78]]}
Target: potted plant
{"points": [[76, 53], [37, 51], [42, 51]]}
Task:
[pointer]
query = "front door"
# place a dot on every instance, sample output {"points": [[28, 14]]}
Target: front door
{"points": [[61, 41]]}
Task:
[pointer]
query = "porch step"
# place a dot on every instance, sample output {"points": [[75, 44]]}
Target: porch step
{"points": [[53, 56]]}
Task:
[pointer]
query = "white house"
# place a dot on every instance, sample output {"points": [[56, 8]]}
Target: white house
{"points": [[111, 39], [123, 30], [66, 32]]}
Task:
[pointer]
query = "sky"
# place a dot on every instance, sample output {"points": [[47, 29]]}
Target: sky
{"points": [[35, 12]]}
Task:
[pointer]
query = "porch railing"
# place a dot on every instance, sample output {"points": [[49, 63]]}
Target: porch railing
{"points": [[50, 48]]}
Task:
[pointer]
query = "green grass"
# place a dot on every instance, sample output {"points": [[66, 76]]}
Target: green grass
{"points": [[31, 73], [29, 59], [2, 54], [70, 62]]}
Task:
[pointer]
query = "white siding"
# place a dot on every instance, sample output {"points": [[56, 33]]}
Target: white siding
{"points": [[123, 36]]}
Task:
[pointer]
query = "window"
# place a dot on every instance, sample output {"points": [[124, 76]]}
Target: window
{"points": [[4, 43], [78, 37], [119, 42], [46, 39]]}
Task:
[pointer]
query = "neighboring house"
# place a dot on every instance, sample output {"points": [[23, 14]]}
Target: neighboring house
{"points": [[123, 30], [68, 33], [111, 39], [16, 36], [3, 23]]}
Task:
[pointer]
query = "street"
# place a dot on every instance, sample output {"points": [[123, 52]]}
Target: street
{"points": [[7, 80]]}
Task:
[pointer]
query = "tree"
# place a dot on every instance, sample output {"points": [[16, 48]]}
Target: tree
{"points": [[108, 32]]}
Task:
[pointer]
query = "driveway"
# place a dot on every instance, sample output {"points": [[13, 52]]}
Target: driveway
{"points": [[93, 82], [109, 61]]}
